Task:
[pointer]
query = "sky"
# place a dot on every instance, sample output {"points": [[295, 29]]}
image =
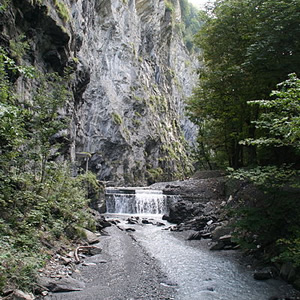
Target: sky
{"points": [[198, 3]]}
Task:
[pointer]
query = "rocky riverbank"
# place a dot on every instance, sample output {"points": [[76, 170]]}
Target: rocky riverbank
{"points": [[112, 264], [203, 210]]}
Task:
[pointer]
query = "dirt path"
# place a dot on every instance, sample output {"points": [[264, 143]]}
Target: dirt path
{"points": [[124, 271]]}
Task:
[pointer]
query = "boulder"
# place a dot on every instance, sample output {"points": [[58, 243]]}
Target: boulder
{"points": [[206, 235], [160, 224], [129, 229], [265, 273], [226, 239], [91, 237], [95, 251], [20, 295], [217, 246], [288, 272], [195, 236], [132, 221], [145, 221], [220, 231], [179, 212], [198, 223], [66, 284], [102, 223]]}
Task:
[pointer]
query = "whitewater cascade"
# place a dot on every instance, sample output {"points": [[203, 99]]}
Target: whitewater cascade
{"points": [[135, 201]]}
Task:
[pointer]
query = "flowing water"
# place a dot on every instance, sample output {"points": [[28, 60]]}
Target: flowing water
{"points": [[136, 201], [196, 272]]}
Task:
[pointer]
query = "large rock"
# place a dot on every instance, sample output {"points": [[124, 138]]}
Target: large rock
{"points": [[20, 295], [91, 237], [66, 284], [265, 273], [132, 73], [220, 231], [178, 212], [288, 272]]}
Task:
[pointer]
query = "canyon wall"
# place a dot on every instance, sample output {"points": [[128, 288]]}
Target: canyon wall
{"points": [[132, 75]]}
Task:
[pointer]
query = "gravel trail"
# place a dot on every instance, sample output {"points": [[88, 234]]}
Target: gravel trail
{"points": [[123, 271]]}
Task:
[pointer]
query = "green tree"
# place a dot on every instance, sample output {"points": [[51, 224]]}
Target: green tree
{"points": [[278, 125], [236, 41], [275, 220], [40, 202]]}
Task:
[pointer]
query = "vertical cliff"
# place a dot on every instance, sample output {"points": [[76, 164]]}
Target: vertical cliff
{"points": [[132, 74]]}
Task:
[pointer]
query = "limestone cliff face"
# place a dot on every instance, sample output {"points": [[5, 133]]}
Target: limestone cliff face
{"points": [[133, 73]]}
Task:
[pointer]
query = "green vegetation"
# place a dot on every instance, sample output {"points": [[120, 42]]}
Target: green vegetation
{"points": [[62, 10], [37, 2], [40, 203], [117, 118], [191, 23], [277, 218], [18, 47], [245, 56], [248, 47], [4, 4], [154, 175], [169, 5]]}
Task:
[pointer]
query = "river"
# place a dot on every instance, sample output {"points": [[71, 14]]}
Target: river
{"points": [[193, 270]]}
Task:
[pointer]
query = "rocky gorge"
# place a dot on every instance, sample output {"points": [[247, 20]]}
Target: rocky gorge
{"points": [[128, 74], [174, 257], [131, 74]]}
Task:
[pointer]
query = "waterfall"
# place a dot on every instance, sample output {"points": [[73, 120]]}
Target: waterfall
{"points": [[135, 201]]}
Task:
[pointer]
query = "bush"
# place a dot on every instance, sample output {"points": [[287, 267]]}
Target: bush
{"points": [[40, 203]]}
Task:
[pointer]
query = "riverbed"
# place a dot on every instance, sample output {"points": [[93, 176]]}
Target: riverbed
{"points": [[196, 273]]}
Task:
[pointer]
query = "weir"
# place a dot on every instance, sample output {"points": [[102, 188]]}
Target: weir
{"points": [[136, 201]]}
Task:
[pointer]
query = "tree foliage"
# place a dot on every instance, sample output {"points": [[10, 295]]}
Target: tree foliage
{"points": [[275, 220], [40, 203], [191, 22], [247, 48]]}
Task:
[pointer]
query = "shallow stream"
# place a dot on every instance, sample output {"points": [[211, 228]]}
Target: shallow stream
{"points": [[198, 273]]}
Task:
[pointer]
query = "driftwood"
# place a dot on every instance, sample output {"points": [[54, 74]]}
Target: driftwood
{"points": [[82, 248]]}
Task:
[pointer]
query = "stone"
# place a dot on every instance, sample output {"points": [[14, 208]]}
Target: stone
{"points": [[265, 273], [91, 237], [195, 236], [66, 284], [95, 251], [288, 272], [220, 231], [159, 224], [132, 221], [145, 221], [179, 212], [206, 235], [88, 264], [20, 295], [225, 239], [65, 260], [217, 246], [129, 229]]}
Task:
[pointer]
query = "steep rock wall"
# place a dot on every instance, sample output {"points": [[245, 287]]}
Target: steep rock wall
{"points": [[132, 117], [133, 73]]}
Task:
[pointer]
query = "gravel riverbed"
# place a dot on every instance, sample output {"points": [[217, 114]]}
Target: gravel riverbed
{"points": [[123, 271]]}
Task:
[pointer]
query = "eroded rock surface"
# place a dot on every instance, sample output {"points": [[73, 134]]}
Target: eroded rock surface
{"points": [[131, 75]]}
